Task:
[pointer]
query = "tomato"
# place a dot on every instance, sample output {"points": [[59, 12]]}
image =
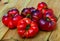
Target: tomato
{"points": [[27, 28]]}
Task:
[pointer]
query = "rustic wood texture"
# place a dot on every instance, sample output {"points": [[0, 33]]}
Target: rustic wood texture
{"points": [[3, 30], [11, 35], [55, 35], [9, 40], [3, 10], [20, 5]]}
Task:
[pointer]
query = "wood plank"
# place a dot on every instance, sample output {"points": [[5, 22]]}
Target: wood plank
{"points": [[14, 32], [20, 5], [42, 35], [9, 40], [4, 29], [55, 36], [55, 5], [4, 10], [34, 3], [4, 1]]}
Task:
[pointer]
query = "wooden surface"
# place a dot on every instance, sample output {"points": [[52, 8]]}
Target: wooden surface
{"points": [[11, 35]]}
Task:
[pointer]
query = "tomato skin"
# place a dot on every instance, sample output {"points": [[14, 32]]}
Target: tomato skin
{"points": [[5, 19], [48, 21], [21, 33], [32, 30], [10, 23], [36, 15], [42, 5], [47, 25], [11, 18], [16, 19], [49, 13], [13, 11]]}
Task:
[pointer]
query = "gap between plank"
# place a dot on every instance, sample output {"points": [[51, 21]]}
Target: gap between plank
{"points": [[52, 31]]}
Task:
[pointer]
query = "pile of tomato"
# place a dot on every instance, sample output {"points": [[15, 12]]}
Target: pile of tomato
{"points": [[30, 21]]}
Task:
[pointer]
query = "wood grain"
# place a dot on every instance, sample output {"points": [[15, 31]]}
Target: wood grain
{"points": [[55, 5], [4, 1], [3, 30], [3, 11], [22, 4], [42, 35], [7, 7], [55, 36], [14, 32], [9, 40]]}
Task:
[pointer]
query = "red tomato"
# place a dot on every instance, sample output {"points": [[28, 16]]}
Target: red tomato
{"points": [[27, 28]]}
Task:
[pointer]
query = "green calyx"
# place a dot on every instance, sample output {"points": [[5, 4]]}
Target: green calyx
{"points": [[28, 16], [27, 27], [48, 19]]}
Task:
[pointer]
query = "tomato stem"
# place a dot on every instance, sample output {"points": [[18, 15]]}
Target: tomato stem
{"points": [[48, 19], [27, 27], [28, 16]]}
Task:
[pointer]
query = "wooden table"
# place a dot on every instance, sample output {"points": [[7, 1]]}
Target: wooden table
{"points": [[11, 35]]}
